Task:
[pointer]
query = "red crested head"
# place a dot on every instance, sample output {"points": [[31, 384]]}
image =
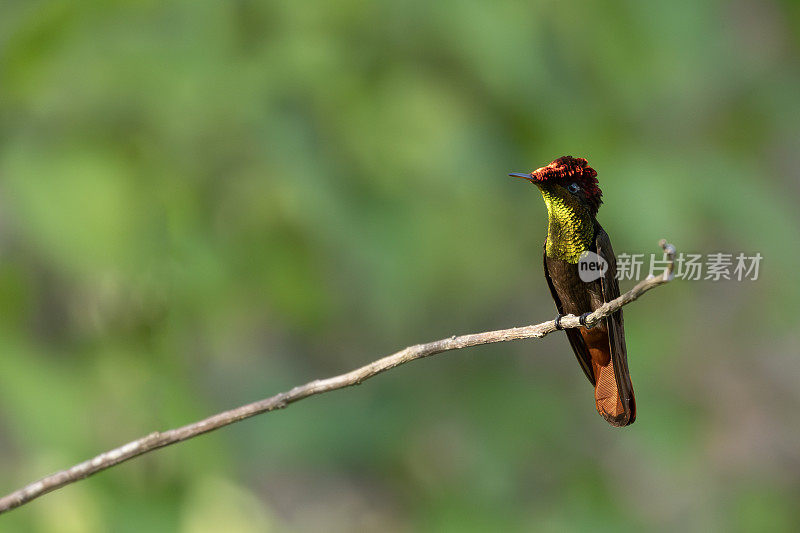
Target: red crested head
{"points": [[565, 171]]}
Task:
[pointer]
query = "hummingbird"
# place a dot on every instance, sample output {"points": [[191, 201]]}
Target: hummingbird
{"points": [[571, 193]]}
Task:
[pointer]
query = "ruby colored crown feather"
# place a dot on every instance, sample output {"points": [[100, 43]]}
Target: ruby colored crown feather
{"points": [[570, 168]]}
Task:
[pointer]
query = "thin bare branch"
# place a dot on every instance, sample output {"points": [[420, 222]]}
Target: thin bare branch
{"points": [[161, 439]]}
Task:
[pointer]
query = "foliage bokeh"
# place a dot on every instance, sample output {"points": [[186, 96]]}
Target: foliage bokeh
{"points": [[204, 203]]}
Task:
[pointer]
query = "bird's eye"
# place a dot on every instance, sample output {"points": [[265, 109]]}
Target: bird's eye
{"points": [[573, 188]]}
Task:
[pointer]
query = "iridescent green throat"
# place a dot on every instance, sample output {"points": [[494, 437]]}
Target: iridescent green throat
{"points": [[570, 229]]}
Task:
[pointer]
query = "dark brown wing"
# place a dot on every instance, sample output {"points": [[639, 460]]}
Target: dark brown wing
{"points": [[616, 331], [574, 336]]}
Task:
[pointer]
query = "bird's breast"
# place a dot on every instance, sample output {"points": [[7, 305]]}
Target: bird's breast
{"points": [[577, 296]]}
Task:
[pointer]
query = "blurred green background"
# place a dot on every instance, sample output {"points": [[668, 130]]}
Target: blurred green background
{"points": [[205, 203]]}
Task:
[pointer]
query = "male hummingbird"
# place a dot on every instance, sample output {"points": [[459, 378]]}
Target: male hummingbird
{"points": [[571, 193]]}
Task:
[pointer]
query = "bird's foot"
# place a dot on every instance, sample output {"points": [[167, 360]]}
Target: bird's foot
{"points": [[558, 321], [582, 320]]}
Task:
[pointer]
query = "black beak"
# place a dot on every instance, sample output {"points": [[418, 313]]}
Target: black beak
{"points": [[521, 175]]}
